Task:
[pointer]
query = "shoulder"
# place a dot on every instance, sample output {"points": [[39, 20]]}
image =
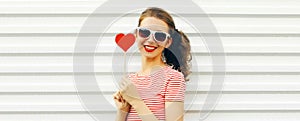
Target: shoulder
{"points": [[173, 74], [175, 86]]}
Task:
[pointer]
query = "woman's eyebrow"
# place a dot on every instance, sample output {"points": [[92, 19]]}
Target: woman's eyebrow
{"points": [[159, 30], [159, 27], [156, 29]]}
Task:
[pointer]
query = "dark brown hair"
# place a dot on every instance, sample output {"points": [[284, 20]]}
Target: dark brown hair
{"points": [[178, 54]]}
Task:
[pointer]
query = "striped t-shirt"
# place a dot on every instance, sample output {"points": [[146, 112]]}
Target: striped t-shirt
{"points": [[164, 85]]}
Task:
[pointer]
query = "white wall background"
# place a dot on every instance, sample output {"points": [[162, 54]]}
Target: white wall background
{"points": [[261, 39]]}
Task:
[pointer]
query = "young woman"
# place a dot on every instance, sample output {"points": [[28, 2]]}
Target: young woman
{"points": [[153, 93]]}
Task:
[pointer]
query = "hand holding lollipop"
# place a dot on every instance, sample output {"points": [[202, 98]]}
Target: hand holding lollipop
{"points": [[125, 42]]}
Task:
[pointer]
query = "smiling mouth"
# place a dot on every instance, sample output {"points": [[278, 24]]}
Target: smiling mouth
{"points": [[149, 48]]}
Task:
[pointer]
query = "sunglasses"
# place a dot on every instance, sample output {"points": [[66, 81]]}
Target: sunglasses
{"points": [[158, 36]]}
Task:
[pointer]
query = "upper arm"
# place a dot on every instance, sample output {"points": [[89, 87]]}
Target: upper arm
{"points": [[174, 111], [175, 88], [174, 97]]}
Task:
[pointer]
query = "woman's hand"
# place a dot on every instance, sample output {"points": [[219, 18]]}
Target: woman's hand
{"points": [[121, 104], [129, 91]]}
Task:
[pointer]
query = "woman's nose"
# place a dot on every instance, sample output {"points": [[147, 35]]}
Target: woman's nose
{"points": [[151, 39]]}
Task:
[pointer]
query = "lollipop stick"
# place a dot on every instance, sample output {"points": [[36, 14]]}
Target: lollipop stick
{"points": [[124, 73]]}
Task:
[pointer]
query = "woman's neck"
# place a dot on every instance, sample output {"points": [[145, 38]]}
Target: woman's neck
{"points": [[150, 63]]}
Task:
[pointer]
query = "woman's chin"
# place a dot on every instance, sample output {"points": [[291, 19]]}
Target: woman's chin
{"points": [[149, 55]]}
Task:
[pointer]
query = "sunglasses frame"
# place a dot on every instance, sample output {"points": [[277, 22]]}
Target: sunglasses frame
{"points": [[152, 32]]}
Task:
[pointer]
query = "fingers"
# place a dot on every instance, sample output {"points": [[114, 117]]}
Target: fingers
{"points": [[121, 98], [118, 96]]}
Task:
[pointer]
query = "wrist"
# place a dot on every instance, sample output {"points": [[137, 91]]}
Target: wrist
{"points": [[121, 113], [124, 110]]}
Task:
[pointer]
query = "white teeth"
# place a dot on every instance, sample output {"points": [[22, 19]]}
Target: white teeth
{"points": [[150, 48]]}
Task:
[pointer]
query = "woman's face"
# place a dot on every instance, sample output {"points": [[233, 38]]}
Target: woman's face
{"points": [[148, 47]]}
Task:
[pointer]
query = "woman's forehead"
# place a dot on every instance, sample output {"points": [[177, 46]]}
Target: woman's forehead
{"points": [[155, 27], [154, 23]]}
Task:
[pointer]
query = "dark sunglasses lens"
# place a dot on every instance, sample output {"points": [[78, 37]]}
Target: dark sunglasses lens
{"points": [[160, 36], [144, 33]]}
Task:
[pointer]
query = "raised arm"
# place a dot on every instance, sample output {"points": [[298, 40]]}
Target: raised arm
{"points": [[130, 94]]}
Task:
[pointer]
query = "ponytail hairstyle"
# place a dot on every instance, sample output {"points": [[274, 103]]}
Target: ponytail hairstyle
{"points": [[178, 54]]}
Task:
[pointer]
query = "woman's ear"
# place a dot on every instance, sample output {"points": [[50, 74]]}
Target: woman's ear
{"points": [[169, 42]]}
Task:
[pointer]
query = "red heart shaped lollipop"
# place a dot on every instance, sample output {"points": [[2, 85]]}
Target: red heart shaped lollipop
{"points": [[125, 41]]}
